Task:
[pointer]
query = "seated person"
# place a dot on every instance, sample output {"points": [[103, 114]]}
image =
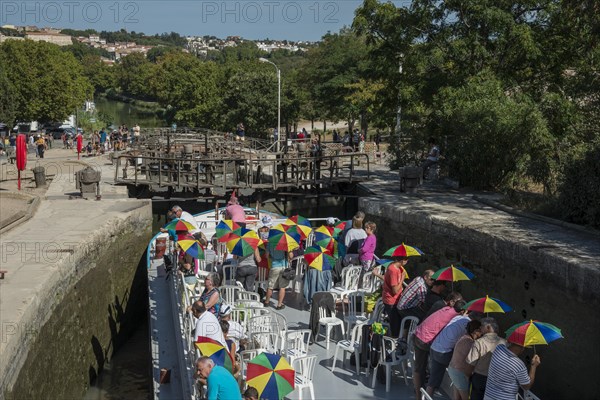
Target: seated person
{"points": [[432, 158]]}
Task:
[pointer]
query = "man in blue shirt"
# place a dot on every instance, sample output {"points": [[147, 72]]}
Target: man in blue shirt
{"points": [[221, 384]]}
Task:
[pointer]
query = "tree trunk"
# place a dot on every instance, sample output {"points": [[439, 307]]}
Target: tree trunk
{"points": [[312, 124]]}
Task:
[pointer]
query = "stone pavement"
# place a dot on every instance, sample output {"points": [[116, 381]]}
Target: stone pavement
{"points": [[43, 255]]}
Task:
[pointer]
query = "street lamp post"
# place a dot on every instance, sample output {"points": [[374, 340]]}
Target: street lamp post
{"points": [[278, 100]]}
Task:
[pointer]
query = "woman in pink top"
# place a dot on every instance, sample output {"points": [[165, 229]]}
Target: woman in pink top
{"points": [[459, 370]]}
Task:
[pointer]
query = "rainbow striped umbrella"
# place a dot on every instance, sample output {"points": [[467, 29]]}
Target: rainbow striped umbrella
{"points": [[453, 274], [224, 228], [244, 244], [316, 257], [531, 333], [271, 375], [302, 225], [340, 227], [487, 305], [403, 251], [387, 263], [191, 246], [179, 225], [324, 235], [284, 238], [216, 351]]}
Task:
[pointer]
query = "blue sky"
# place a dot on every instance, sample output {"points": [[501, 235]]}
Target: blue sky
{"points": [[260, 19]]}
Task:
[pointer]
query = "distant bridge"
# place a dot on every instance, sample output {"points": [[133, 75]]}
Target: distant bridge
{"points": [[202, 161]]}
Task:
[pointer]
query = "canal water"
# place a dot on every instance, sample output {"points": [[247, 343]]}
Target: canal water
{"points": [[128, 374], [129, 114]]}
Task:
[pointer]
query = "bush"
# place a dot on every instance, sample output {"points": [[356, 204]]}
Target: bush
{"points": [[579, 196]]}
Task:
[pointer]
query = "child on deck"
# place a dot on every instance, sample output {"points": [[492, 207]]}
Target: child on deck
{"points": [[367, 251]]}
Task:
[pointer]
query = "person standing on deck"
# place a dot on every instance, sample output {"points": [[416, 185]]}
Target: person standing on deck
{"points": [[221, 385], [279, 261], [424, 336], [392, 289], [508, 372], [480, 356], [235, 212]]}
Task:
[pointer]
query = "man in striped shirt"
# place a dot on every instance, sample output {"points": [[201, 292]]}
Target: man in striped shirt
{"points": [[507, 372]]}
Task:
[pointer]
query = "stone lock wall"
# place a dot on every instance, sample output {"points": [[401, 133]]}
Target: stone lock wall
{"points": [[537, 281], [98, 300]]}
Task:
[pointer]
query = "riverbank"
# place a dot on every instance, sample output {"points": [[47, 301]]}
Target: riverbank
{"points": [[73, 291]]}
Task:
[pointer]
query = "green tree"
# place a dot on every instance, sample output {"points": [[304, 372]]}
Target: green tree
{"points": [[189, 89], [339, 61], [133, 74], [48, 83], [101, 76], [7, 100]]}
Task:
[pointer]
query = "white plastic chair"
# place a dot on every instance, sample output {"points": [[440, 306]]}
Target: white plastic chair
{"points": [[351, 345], [249, 299], [296, 344], [271, 342], [388, 349], [229, 293], [305, 370], [262, 324], [371, 283], [262, 278], [229, 270], [356, 314], [349, 282], [328, 322], [240, 315], [299, 264]]}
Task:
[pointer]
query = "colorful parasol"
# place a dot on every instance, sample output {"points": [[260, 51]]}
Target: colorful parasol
{"points": [[387, 263], [180, 225], [324, 235], [340, 227], [531, 333], [284, 238], [453, 274], [271, 375], [302, 225], [487, 305], [21, 156], [403, 251], [316, 257], [225, 229], [216, 351], [244, 244], [191, 246]]}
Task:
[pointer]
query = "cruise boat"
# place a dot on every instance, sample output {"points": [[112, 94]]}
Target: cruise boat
{"points": [[173, 353]]}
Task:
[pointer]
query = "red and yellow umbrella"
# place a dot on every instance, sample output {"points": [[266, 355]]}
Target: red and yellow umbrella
{"points": [[403, 251], [191, 246], [302, 225], [316, 257], [531, 333], [215, 351], [487, 305], [340, 227], [284, 238], [453, 274], [244, 244], [179, 225], [224, 228], [271, 375], [324, 235]]}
